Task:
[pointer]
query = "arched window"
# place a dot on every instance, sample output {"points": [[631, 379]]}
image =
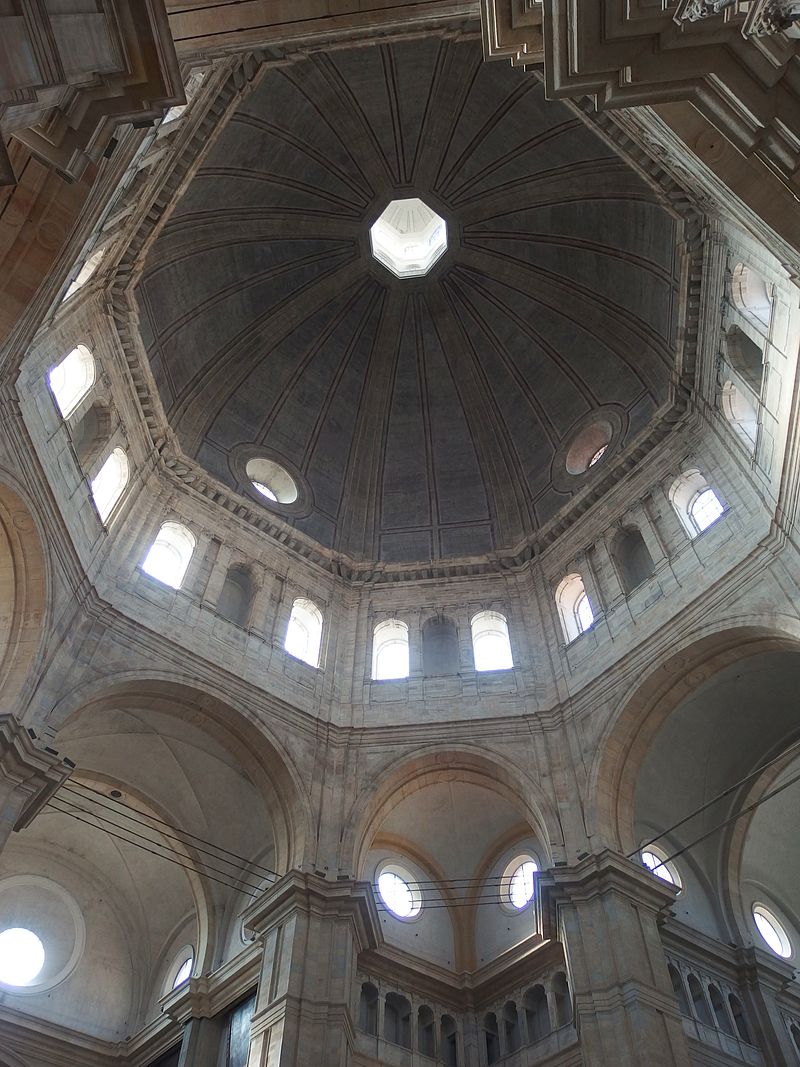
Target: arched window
{"points": [[695, 502], [741, 413], [573, 607], [751, 295], [656, 861], [491, 1037], [72, 378], [678, 990], [772, 931], [439, 647], [170, 554], [511, 1026], [236, 596], [490, 644], [426, 1031], [184, 971], [632, 558], [84, 274], [397, 1020], [109, 482], [562, 1001], [537, 1014], [390, 650], [368, 1009], [304, 632], [719, 1009], [449, 1045], [699, 1002], [740, 1022]]}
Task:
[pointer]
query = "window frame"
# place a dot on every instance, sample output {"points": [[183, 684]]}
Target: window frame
{"points": [[114, 502], [379, 645], [89, 364], [182, 531], [312, 608], [502, 631]]}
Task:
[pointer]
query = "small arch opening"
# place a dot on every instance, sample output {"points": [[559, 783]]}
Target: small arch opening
{"points": [[719, 1009], [491, 1037], [696, 503], [449, 1046], [368, 1009], [426, 1031], [739, 1020], [678, 990], [562, 1000], [397, 1020], [170, 554], [699, 1002], [511, 1026], [741, 413], [537, 1013]]}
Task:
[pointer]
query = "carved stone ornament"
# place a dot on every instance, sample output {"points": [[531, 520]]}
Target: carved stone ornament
{"points": [[771, 16], [694, 10]]}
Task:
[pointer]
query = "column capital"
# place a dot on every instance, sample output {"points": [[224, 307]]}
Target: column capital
{"points": [[29, 769], [592, 878], [320, 898]]}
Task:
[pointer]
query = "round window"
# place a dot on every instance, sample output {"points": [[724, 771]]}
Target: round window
{"points": [[518, 883], [399, 892], [655, 861], [22, 956], [271, 480], [772, 931]]}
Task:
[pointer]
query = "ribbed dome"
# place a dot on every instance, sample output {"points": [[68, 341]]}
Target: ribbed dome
{"points": [[421, 417]]}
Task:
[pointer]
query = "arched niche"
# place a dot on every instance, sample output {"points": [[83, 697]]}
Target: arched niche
{"points": [[235, 600], [702, 722], [632, 558], [23, 594]]}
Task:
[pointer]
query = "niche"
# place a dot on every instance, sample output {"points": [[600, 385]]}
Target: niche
{"points": [[236, 597], [562, 1001], [511, 1026], [90, 434], [491, 1037], [746, 357], [699, 1001], [678, 990], [426, 1032], [449, 1033], [439, 647], [633, 561]]}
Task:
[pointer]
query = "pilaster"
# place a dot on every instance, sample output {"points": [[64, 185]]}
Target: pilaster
{"points": [[312, 932], [605, 911]]}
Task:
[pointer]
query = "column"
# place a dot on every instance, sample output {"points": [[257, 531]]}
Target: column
{"points": [[30, 774], [605, 911], [312, 932], [190, 1005]]}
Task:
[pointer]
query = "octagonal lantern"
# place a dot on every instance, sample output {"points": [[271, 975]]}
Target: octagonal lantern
{"points": [[408, 238]]}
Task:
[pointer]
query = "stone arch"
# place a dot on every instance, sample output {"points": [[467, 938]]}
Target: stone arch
{"points": [[23, 594], [622, 749], [236, 728], [437, 765]]}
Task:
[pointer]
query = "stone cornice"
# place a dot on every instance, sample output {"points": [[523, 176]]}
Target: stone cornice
{"points": [[36, 770]]}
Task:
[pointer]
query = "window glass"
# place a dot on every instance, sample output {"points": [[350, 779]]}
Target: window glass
{"points": [[170, 554], [490, 644], [706, 509], [22, 956], [772, 931], [390, 650], [521, 886], [584, 613], [304, 632], [72, 378], [184, 972], [655, 860], [399, 892], [109, 482]]}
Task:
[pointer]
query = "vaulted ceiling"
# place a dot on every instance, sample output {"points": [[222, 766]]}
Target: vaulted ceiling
{"points": [[426, 416]]}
